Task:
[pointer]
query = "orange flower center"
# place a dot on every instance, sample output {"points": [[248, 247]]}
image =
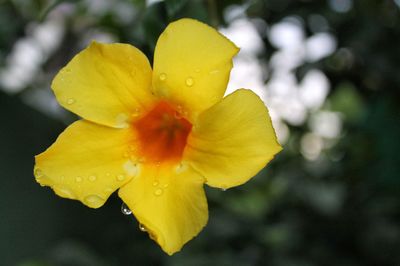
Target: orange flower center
{"points": [[162, 134]]}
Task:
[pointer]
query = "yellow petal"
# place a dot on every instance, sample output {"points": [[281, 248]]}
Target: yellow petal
{"points": [[169, 202], [192, 62], [232, 141], [105, 83], [87, 162]]}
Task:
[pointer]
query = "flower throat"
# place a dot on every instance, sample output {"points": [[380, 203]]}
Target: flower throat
{"points": [[162, 134]]}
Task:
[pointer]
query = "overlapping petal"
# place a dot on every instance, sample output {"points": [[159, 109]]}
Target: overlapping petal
{"points": [[87, 162], [192, 63], [106, 84], [169, 202], [232, 140]]}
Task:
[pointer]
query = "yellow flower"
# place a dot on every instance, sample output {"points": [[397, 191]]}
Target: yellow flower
{"points": [[157, 135]]}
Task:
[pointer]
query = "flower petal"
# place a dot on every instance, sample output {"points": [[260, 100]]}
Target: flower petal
{"points": [[232, 140], [87, 163], [105, 83], [169, 202], [192, 62]]}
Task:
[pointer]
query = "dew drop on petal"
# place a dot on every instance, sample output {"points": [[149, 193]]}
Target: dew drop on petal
{"points": [[70, 101], [92, 178], [63, 192], [215, 71], [189, 82], [131, 168], [165, 185], [142, 228], [158, 192], [108, 174], [163, 76], [78, 179], [120, 177], [122, 120], [94, 201], [155, 183], [135, 113], [38, 173], [125, 209], [181, 168], [132, 148], [177, 115], [108, 190], [197, 70]]}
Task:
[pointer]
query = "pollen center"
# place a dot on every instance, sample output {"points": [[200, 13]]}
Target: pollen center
{"points": [[162, 134]]}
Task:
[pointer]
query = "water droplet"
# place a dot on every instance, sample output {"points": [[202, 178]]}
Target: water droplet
{"points": [[132, 148], [215, 71], [38, 173], [126, 154], [108, 190], [92, 178], [163, 76], [158, 192], [135, 112], [155, 183], [197, 70], [120, 177], [165, 185], [125, 209], [180, 168], [177, 115], [122, 120], [131, 168], [78, 179], [153, 237], [142, 228], [134, 158], [108, 174], [70, 101], [63, 192], [94, 201], [189, 82]]}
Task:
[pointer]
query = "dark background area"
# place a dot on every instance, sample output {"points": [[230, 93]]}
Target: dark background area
{"points": [[324, 200]]}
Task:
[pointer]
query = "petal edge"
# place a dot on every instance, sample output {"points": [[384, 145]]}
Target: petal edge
{"points": [[86, 163], [105, 83], [232, 141], [192, 64], [169, 202]]}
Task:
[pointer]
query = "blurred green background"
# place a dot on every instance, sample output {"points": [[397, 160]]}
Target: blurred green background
{"points": [[328, 70]]}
